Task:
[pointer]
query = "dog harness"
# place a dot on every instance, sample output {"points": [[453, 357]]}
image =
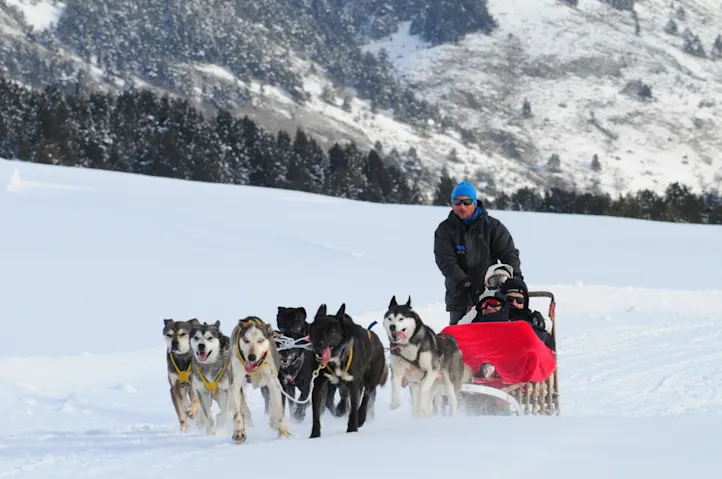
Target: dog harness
{"points": [[395, 351], [211, 386], [348, 362], [184, 376]]}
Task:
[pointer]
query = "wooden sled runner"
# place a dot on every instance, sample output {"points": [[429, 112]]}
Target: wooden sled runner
{"points": [[528, 382]]}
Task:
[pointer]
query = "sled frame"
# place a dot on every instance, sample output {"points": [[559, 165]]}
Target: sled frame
{"points": [[531, 398]]}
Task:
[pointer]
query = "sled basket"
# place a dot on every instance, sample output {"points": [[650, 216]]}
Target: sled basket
{"points": [[528, 382]]}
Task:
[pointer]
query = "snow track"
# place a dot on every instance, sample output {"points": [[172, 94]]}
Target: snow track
{"points": [[83, 390]]}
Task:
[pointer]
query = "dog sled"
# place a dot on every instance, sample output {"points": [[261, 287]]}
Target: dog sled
{"points": [[526, 381]]}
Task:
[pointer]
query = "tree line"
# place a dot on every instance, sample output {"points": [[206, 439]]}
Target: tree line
{"points": [[678, 204], [141, 132]]}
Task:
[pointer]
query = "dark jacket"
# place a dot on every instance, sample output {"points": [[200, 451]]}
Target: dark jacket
{"points": [[534, 318], [466, 251]]}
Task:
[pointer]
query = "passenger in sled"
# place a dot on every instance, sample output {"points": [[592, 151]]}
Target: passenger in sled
{"points": [[508, 303]]}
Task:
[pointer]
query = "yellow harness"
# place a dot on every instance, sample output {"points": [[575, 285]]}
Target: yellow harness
{"points": [[184, 376], [211, 386], [350, 359]]}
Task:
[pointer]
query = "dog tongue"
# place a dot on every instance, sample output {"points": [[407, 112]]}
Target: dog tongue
{"points": [[400, 335], [325, 356], [202, 356], [250, 367]]}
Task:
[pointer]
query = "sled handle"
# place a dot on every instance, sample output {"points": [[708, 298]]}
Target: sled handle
{"points": [[552, 302]]}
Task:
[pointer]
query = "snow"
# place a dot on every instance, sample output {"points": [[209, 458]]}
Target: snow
{"points": [[93, 261], [39, 14], [572, 63]]}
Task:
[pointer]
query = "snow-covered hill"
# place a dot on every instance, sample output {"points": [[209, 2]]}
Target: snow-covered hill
{"points": [[93, 261], [577, 66]]}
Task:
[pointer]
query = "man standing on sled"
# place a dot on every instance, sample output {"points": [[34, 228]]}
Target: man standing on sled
{"points": [[466, 244]]}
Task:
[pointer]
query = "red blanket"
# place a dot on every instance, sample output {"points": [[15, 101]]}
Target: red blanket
{"points": [[513, 348]]}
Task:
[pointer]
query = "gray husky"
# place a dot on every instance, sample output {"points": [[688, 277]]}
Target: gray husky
{"points": [[210, 377], [430, 362], [179, 360]]}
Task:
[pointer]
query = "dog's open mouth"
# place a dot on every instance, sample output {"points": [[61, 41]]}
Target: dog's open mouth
{"points": [[252, 366], [325, 356], [203, 355], [399, 336]]}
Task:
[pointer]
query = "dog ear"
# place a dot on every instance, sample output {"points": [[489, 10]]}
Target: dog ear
{"points": [[408, 303], [225, 341], [321, 310], [217, 324], [302, 312], [166, 321], [341, 313], [393, 302], [269, 329]]}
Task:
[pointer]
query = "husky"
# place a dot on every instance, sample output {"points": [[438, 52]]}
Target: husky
{"points": [[179, 360], [291, 321], [296, 371], [422, 357], [350, 354], [210, 377], [254, 355]]}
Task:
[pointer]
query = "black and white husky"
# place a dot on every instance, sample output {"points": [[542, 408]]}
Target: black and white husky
{"points": [[430, 362], [210, 377]]}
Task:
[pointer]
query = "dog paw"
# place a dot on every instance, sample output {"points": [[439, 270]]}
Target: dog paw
{"points": [[183, 426], [239, 437], [192, 410], [211, 430], [395, 404]]}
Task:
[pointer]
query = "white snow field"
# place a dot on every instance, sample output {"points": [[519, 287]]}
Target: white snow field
{"points": [[92, 262]]}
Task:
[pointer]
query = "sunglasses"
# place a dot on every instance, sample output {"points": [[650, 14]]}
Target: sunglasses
{"points": [[467, 202], [492, 303], [515, 299]]}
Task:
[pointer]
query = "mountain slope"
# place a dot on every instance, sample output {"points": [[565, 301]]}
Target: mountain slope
{"points": [[287, 63]]}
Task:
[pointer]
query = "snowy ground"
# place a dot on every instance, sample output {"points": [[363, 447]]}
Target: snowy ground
{"points": [[93, 261]]}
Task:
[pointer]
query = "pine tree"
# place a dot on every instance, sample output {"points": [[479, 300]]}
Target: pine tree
{"points": [[444, 188]]}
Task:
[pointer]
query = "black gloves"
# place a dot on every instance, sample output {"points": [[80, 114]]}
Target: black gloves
{"points": [[470, 289], [537, 320]]}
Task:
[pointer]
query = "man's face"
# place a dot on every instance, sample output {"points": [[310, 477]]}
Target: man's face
{"points": [[516, 300], [490, 305], [464, 206]]}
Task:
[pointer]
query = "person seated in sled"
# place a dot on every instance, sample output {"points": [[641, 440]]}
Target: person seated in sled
{"points": [[492, 309], [516, 295], [466, 243], [495, 276], [510, 303]]}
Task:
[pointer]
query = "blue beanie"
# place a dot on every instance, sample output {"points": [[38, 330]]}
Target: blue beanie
{"points": [[464, 189]]}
